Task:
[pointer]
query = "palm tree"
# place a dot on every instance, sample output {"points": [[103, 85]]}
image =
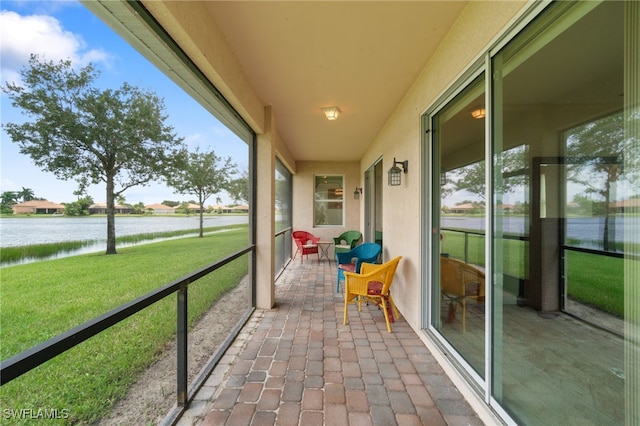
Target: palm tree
{"points": [[9, 198], [26, 194]]}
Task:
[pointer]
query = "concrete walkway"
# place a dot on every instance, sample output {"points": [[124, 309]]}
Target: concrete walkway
{"points": [[297, 364]]}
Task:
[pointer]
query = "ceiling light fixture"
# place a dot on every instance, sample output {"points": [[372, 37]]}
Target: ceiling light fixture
{"points": [[478, 113], [331, 113]]}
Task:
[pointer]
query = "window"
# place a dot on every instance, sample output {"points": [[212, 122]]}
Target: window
{"points": [[328, 201]]}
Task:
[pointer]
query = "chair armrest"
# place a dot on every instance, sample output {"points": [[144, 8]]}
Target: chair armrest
{"points": [[315, 240], [336, 240]]}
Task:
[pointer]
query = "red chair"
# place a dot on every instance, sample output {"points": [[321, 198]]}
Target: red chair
{"points": [[306, 244]]}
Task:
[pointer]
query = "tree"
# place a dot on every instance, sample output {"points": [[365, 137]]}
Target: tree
{"points": [[201, 174], [239, 188], [512, 163], [26, 194], [171, 203], [114, 136], [138, 208], [596, 151], [8, 199], [79, 207]]}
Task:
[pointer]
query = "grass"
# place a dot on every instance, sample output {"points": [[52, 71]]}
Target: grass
{"points": [[43, 299], [594, 280], [40, 251], [597, 281]]}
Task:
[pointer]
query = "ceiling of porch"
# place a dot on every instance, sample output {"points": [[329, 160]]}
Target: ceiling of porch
{"points": [[359, 56]]}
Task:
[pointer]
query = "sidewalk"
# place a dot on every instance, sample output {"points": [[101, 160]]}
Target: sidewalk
{"points": [[297, 364]]}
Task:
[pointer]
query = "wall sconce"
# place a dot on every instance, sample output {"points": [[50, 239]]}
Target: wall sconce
{"points": [[331, 113], [443, 178], [395, 174], [479, 112], [356, 193]]}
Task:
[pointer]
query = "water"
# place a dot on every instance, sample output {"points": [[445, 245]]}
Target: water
{"points": [[584, 229], [42, 230]]}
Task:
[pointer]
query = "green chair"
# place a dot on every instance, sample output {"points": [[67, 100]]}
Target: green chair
{"points": [[346, 241]]}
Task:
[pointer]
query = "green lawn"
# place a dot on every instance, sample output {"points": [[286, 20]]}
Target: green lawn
{"points": [[596, 281], [592, 279], [41, 300]]}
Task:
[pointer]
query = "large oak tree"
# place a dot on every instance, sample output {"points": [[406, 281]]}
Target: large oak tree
{"points": [[76, 131]]}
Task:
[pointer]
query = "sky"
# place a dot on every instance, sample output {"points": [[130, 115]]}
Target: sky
{"points": [[59, 30]]}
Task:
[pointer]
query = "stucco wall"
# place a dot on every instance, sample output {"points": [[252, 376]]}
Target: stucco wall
{"points": [[478, 25], [303, 196]]}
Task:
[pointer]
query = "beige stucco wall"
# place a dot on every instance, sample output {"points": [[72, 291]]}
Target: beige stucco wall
{"points": [[195, 30], [303, 196], [476, 28]]}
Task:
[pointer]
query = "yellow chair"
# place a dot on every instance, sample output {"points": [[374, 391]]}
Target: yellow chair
{"points": [[372, 284], [460, 281]]}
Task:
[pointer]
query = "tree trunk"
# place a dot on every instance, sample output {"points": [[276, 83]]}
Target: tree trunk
{"points": [[111, 219], [201, 216], [609, 231]]}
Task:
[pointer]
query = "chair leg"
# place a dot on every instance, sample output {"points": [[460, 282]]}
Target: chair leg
{"points": [[393, 306], [386, 313], [346, 307], [464, 311]]}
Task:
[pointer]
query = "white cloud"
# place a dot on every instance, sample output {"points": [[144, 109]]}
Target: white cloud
{"points": [[43, 35]]}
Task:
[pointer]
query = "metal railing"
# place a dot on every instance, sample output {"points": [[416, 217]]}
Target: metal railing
{"points": [[283, 250], [25, 361]]}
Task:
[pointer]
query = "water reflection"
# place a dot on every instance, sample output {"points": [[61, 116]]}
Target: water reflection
{"points": [[27, 231], [43, 230]]}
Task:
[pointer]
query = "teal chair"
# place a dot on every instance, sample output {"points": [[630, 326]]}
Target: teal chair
{"points": [[346, 241], [351, 260]]}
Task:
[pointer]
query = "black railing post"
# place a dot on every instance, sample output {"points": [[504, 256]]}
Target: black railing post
{"points": [[466, 247], [182, 345]]}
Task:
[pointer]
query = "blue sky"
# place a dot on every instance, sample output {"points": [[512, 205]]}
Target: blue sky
{"points": [[67, 30]]}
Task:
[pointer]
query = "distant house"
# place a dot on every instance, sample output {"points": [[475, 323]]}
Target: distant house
{"points": [[101, 208], [238, 209], [462, 208], [508, 208], [629, 205], [194, 208], [37, 207], [160, 209]]}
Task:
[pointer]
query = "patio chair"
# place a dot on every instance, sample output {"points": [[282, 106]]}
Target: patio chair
{"points": [[306, 244], [346, 241], [460, 281], [372, 284], [351, 260]]}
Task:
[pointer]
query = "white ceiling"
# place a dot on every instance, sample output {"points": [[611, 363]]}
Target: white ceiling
{"points": [[361, 56]]}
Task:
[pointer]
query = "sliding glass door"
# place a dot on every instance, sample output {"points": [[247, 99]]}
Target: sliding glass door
{"points": [[534, 218]]}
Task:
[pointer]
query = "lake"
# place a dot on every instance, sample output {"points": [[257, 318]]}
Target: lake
{"points": [[42, 230], [586, 229]]}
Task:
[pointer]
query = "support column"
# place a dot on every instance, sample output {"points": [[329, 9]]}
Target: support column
{"points": [[632, 219], [265, 216]]}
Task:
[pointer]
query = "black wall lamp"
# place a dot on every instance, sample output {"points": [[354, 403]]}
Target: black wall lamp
{"points": [[395, 173], [356, 193]]}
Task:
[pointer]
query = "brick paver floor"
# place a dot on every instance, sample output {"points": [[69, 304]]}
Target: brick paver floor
{"points": [[297, 364]]}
